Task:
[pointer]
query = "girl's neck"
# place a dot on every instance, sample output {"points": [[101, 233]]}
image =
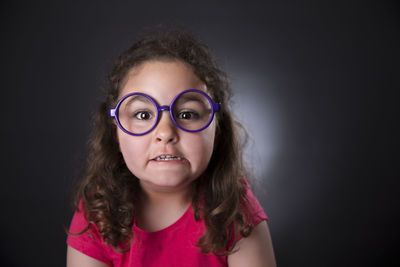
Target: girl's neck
{"points": [[159, 210], [151, 197]]}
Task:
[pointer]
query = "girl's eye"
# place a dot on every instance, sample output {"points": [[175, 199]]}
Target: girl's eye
{"points": [[143, 115], [188, 115]]}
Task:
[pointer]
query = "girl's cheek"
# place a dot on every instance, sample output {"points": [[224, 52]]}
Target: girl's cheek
{"points": [[203, 145], [129, 146]]}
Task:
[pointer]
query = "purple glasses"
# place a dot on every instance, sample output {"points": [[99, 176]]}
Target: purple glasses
{"points": [[191, 110]]}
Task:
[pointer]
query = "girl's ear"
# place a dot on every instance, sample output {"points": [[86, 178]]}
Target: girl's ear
{"points": [[116, 125]]}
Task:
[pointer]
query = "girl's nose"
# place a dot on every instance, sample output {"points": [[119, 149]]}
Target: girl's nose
{"points": [[166, 130]]}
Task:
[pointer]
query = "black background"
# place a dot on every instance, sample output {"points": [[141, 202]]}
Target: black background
{"points": [[316, 83]]}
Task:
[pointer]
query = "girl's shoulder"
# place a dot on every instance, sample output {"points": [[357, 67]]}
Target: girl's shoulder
{"points": [[85, 237]]}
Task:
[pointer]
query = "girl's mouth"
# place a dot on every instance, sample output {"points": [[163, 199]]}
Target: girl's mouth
{"points": [[168, 158]]}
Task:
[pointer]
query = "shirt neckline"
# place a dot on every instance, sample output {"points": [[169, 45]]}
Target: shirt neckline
{"points": [[171, 227]]}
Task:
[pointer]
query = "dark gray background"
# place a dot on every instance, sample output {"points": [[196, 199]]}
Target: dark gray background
{"points": [[316, 83]]}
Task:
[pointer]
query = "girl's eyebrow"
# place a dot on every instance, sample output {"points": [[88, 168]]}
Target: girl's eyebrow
{"points": [[138, 98], [185, 99]]}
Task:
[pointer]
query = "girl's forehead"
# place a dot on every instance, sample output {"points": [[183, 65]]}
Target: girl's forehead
{"points": [[162, 80]]}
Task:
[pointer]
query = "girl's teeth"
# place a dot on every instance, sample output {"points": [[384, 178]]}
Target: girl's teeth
{"points": [[166, 158]]}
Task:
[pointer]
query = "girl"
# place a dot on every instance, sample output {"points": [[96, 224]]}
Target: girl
{"points": [[164, 183]]}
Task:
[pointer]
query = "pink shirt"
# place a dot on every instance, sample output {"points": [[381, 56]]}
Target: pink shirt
{"points": [[171, 246]]}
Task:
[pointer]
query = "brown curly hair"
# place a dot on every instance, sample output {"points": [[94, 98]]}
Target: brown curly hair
{"points": [[109, 191]]}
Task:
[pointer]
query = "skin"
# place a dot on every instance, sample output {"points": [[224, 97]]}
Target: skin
{"points": [[167, 186]]}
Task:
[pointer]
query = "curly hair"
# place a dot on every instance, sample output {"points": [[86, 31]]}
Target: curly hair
{"points": [[109, 192]]}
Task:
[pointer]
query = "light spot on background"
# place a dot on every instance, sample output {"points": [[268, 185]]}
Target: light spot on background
{"points": [[253, 106]]}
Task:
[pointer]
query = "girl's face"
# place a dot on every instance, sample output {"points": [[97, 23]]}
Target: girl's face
{"points": [[163, 80]]}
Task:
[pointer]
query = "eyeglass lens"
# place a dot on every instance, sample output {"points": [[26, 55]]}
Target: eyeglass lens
{"points": [[191, 111]]}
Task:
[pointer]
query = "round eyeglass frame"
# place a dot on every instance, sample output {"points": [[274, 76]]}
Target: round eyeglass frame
{"points": [[214, 108]]}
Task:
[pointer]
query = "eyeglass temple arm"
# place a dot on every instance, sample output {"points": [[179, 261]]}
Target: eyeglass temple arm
{"points": [[217, 106], [111, 112]]}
